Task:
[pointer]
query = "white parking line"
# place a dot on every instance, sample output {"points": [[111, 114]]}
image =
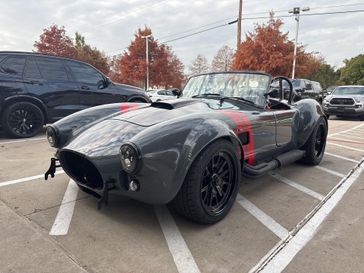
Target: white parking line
{"points": [[346, 147], [22, 140], [262, 217], [26, 179], [298, 186], [357, 137], [181, 254], [346, 131], [65, 212], [288, 249], [342, 157], [330, 171], [345, 140]]}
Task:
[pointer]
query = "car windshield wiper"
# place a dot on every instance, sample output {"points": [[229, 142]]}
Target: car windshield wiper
{"points": [[207, 95]]}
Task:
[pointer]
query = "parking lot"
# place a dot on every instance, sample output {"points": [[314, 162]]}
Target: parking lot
{"points": [[49, 226]]}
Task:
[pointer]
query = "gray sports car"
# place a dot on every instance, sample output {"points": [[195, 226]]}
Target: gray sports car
{"points": [[190, 151]]}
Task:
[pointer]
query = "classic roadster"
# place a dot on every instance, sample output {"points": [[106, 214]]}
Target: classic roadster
{"points": [[191, 151]]}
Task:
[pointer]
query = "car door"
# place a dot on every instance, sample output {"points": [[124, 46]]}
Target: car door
{"points": [[11, 79], [309, 91], [56, 89], [284, 122], [263, 125], [94, 89]]}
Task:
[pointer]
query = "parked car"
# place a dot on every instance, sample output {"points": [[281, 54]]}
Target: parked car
{"points": [[346, 101], [189, 151], [36, 89], [163, 94], [328, 90], [307, 89]]}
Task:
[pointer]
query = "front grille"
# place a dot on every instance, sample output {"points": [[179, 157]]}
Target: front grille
{"points": [[81, 169], [342, 101]]}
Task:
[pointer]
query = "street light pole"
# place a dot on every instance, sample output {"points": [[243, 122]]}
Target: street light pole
{"points": [[147, 59], [296, 11]]}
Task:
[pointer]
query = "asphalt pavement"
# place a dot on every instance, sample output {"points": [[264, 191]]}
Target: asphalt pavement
{"points": [[298, 219]]}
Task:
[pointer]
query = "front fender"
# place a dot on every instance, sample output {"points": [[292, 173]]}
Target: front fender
{"points": [[169, 152], [69, 127]]}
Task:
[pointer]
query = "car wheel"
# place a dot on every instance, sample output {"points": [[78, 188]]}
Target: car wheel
{"points": [[22, 120], [362, 118], [327, 116], [315, 145], [211, 185]]}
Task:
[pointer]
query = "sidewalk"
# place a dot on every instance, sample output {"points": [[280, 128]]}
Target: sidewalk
{"points": [[26, 249], [338, 245]]}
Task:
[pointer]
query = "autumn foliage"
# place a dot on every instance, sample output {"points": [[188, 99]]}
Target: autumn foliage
{"points": [[268, 49], [54, 41], [165, 69]]}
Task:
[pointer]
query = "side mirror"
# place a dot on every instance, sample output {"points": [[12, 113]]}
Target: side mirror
{"points": [[176, 92], [101, 84]]}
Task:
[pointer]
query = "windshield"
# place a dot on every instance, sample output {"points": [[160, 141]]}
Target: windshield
{"points": [[251, 87], [349, 90]]}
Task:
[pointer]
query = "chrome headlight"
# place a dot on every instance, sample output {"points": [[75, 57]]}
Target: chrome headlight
{"points": [[51, 136], [130, 158]]}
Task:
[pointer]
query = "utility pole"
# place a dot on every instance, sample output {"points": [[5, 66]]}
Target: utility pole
{"points": [[239, 23], [147, 59], [296, 11]]}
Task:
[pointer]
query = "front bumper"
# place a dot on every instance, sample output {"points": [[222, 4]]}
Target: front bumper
{"points": [[350, 111], [98, 176]]}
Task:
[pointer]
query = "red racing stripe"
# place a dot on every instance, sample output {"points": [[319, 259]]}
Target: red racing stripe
{"points": [[243, 123], [124, 107]]}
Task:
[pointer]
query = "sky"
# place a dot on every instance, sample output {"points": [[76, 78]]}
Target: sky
{"points": [[110, 25]]}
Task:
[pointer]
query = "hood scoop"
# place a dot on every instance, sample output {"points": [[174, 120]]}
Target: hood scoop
{"points": [[173, 104]]}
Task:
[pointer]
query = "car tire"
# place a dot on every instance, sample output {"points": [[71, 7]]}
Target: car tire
{"points": [[327, 116], [315, 145], [361, 118], [211, 185], [22, 120]]}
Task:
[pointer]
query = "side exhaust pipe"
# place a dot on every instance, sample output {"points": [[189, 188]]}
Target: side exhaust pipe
{"points": [[278, 162]]}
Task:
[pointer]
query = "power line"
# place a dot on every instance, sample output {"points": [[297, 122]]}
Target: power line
{"points": [[252, 18], [266, 17], [334, 12]]}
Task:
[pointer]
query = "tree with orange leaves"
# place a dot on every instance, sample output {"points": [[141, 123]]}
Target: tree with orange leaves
{"points": [[268, 49], [54, 41], [165, 69]]}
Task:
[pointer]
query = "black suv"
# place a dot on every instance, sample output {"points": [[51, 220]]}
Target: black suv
{"points": [[36, 89], [304, 88]]}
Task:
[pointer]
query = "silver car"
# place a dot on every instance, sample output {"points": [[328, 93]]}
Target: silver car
{"points": [[345, 101]]}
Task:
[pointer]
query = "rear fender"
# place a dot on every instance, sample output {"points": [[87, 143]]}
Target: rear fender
{"points": [[20, 98], [310, 111]]}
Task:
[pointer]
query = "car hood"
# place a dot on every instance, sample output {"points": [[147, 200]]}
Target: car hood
{"points": [[104, 138], [162, 111]]}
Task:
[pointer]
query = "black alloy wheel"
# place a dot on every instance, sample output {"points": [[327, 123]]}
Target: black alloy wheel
{"points": [[23, 119], [217, 183], [211, 185]]}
